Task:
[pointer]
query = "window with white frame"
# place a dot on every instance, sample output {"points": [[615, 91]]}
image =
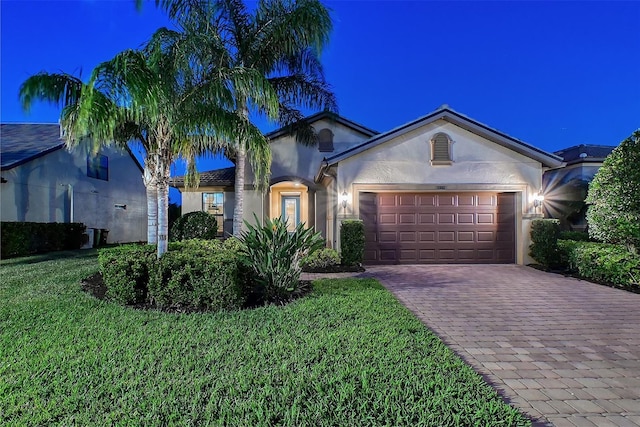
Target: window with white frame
{"points": [[213, 203], [441, 149]]}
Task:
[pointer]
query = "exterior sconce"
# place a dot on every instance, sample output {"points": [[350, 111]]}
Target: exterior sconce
{"points": [[120, 206], [538, 199], [344, 198]]}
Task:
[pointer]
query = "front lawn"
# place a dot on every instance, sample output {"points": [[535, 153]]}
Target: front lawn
{"points": [[347, 355]]}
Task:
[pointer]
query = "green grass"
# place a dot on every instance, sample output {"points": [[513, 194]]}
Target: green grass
{"points": [[347, 355]]}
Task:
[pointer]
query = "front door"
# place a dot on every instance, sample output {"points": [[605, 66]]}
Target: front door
{"points": [[291, 211]]}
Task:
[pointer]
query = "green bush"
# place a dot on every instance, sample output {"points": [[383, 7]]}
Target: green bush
{"points": [[275, 254], [321, 259], [352, 242], [125, 272], [602, 262], [192, 275], [194, 225], [614, 212], [25, 238], [194, 278], [578, 236], [544, 242]]}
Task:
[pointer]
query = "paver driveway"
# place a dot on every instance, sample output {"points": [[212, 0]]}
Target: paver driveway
{"points": [[564, 351]]}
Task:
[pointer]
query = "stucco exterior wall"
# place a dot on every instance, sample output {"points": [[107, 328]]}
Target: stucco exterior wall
{"points": [[478, 165], [39, 191], [291, 159]]}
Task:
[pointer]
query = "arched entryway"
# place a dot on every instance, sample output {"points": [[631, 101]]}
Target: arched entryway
{"points": [[291, 200]]}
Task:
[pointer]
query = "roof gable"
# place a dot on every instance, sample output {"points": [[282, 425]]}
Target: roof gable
{"points": [[22, 142], [447, 114], [328, 116]]}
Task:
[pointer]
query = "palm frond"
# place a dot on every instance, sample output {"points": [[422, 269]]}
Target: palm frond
{"points": [[57, 88]]}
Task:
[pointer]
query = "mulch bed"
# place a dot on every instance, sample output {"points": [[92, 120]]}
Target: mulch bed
{"points": [[335, 269]]}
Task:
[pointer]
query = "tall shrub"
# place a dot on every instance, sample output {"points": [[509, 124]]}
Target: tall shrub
{"points": [[614, 196], [194, 225], [352, 242], [275, 255], [544, 242]]}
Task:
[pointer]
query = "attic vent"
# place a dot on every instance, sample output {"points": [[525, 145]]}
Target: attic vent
{"points": [[325, 141], [441, 149]]}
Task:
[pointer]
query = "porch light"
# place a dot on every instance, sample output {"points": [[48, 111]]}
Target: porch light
{"points": [[538, 199], [344, 198]]}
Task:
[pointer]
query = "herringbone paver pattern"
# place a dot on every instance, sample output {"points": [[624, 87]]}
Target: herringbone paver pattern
{"points": [[565, 351]]}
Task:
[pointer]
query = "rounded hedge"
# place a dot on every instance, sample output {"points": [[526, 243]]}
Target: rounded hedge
{"points": [[614, 212], [194, 225]]}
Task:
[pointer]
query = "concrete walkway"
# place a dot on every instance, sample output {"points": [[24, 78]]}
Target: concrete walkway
{"points": [[565, 351]]}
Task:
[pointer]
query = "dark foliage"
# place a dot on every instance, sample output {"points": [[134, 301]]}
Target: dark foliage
{"points": [[544, 242], [194, 225], [352, 242], [25, 238]]}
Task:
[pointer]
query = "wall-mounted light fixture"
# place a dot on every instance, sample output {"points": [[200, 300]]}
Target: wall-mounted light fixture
{"points": [[538, 199], [344, 199], [120, 206]]}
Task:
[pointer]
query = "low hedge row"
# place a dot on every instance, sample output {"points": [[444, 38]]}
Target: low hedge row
{"points": [[25, 238], [601, 262], [192, 275]]}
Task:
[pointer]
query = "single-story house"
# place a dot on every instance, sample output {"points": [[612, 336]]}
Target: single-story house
{"points": [[42, 181], [565, 188], [443, 188]]}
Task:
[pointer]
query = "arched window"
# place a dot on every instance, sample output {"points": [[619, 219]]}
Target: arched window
{"points": [[325, 140], [441, 149]]}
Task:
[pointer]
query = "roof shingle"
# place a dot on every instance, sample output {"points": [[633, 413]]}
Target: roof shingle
{"points": [[217, 177], [585, 152], [21, 142]]}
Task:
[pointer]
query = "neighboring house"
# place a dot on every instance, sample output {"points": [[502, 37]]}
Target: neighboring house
{"points": [[42, 181], [441, 189], [565, 188]]}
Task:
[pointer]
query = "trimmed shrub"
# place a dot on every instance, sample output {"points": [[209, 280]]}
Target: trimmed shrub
{"points": [[321, 259], [194, 278], [352, 242], [544, 242], [602, 262], [125, 272], [614, 211], [578, 236], [274, 255], [194, 225], [192, 275], [25, 238]]}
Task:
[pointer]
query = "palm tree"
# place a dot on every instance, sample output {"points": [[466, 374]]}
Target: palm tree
{"points": [[279, 45], [153, 96]]}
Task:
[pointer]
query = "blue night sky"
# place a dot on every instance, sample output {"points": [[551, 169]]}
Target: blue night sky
{"points": [[553, 74]]}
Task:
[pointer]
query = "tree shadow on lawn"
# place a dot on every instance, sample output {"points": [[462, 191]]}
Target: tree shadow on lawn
{"points": [[50, 256]]}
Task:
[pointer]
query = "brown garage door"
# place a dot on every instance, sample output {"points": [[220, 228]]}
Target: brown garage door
{"points": [[421, 228]]}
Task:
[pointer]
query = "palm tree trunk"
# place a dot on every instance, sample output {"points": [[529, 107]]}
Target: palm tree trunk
{"points": [[238, 210], [152, 202], [163, 168], [241, 159]]}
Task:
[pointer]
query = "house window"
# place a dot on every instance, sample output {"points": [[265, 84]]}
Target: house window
{"points": [[325, 140], [213, 203], [98, 167], [441, 149]]}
